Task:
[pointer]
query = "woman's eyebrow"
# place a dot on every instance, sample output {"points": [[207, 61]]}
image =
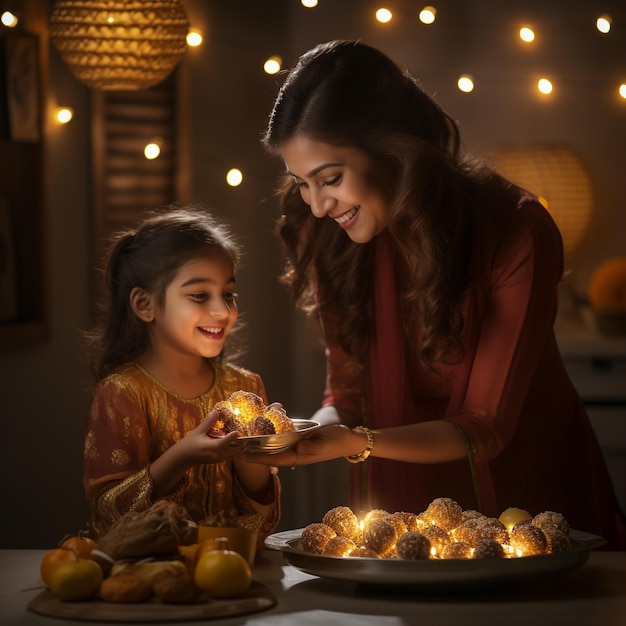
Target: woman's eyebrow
{"points": [[316, 170]]}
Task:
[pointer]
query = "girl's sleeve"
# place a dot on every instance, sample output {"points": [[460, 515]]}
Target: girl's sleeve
{"points": [[116, 455], [517, 321]]}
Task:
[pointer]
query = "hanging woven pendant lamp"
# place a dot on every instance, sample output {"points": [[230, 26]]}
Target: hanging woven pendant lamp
{"points": [[119, 44]]}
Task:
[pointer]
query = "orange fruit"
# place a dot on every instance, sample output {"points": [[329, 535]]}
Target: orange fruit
{"points": [[52, 560], [79, 579], [222, 574], [208, 545], [607, 289], [82, 546]]}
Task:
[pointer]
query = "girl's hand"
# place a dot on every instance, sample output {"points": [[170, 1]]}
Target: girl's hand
{"points": [[202, 446]]}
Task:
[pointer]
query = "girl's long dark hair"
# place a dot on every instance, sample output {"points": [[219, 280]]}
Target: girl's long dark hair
{"points": [[346, 93], [149, 257]]}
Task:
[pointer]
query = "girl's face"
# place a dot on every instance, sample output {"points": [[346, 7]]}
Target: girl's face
{"points": [[200, 308], [340, 183]]}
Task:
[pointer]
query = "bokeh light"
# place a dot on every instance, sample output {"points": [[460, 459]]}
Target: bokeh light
{"points": [[427, 15], [273, 65], [465, 83], [194, 38], [384, 15], [234, 177], [603, 24]]}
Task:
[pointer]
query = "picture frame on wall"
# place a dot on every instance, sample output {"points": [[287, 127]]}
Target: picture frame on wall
{"points": [[21, 87]]}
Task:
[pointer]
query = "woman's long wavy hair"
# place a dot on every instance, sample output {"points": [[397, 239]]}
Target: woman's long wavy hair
{"points": [[349, 94], [149, 257]]}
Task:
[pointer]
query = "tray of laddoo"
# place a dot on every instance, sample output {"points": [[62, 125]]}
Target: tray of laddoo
{"points": [[442, 547]]}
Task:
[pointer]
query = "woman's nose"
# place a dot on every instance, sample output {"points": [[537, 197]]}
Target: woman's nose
{"points": [[321, 204]]}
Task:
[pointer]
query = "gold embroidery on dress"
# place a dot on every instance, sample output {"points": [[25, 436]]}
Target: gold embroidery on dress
{"points": [[120, 457], [91, 451]]}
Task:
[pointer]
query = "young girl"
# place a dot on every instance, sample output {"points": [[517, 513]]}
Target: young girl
{"points": [[161, 368], [435, 282]]}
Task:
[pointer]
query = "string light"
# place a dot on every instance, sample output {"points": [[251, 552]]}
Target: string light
{"points": [[9, 19], [603, 24], [194, 38], [152, 150], [63, 115], [527, 34], [465, 83], [384, 15], [622, 90], [544, 86], [427, 15], [234, 177], [273, 65]]}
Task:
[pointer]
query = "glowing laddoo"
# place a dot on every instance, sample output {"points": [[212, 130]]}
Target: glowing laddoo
{"points": [[315, 537], [413, 545], [444, 512], [379, 535], [343, 521]]}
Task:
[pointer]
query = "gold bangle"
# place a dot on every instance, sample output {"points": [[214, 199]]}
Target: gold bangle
{"points": [[359, 458]]}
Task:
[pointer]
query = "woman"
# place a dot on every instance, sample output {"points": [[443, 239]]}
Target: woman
{"points": [[435, 283]]}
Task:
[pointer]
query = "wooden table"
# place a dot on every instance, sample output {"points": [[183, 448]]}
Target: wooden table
{"points": [[594, 594]]}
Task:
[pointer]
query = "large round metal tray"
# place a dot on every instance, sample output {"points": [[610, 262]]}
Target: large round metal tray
{"points": [[451, 573]]}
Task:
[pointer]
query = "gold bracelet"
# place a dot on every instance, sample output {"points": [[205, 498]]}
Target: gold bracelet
{"points": [[359, 458]]}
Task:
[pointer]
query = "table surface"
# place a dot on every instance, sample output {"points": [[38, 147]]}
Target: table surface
{"points": [[593, 594]]}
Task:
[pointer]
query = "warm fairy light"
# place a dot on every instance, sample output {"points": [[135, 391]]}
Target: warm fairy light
{"points": [[308, 4], [622, 90], [152, 151], [527, 34], [544, 86], [273, 65], [603, 24], [234, 177], [427, 15], [465, 83], [384, 15], [194, 38], [63, 115], [9, 19]]}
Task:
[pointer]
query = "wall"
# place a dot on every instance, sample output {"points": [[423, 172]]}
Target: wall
{"points": [[42, 395]]}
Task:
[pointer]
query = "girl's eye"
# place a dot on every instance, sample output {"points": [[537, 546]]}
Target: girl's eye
{"points": [[333, 181], [199, 297], [231, 296]]}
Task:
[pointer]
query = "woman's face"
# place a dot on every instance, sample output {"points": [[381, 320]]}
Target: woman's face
{"points": [[340, 183]]}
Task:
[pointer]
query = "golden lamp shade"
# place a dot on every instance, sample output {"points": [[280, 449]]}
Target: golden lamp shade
{"points": [[558, 177], [119, 44]]}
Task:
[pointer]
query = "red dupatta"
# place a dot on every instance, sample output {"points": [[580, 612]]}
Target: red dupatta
{"points": [[388, 393]]}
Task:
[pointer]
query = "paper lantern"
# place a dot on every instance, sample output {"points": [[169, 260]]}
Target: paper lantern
{"points": [[559, 178], [119, 44]]}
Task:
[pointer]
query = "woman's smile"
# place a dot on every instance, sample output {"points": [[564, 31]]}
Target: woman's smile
{"points": [[343, 220]]}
